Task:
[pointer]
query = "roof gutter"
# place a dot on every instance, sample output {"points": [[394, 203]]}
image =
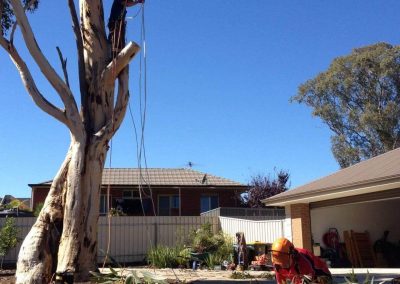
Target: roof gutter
{"points": [[334, 192]]}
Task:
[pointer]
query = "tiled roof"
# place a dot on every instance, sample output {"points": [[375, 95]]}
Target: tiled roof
{"points": [[379, 168], [163, 176]]}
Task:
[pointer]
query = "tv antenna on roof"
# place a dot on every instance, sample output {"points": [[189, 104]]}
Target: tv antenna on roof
{"points": [[191, 164]]}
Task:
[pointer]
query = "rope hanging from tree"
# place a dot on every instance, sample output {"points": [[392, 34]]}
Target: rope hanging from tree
{"points": [[116, 38]]}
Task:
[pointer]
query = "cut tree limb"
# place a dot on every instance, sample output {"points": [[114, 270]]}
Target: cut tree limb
{"points": [[120, 62]]}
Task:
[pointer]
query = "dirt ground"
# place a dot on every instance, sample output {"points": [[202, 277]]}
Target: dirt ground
{"points": [[188, 275], [171, 275], [7, 276]]}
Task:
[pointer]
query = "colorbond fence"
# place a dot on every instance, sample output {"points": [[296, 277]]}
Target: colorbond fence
{"points": [[132, 237], [248, 213], [263, 231]]}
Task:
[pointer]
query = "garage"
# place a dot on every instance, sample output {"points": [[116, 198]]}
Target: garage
{"points": [[362, 199]]}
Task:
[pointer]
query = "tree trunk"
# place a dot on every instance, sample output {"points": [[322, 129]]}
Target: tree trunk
{"points": [[64, 236], [78, 245], [36, 257]]}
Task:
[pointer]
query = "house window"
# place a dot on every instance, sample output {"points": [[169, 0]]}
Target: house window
{"points": [[208, 202], [130, 194], [166, 203], [103, 204], [132, 204]]}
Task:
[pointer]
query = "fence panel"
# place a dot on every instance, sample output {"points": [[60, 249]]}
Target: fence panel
{"points": [[130, 237], [24, 225], [263, 231], [248, 213]]}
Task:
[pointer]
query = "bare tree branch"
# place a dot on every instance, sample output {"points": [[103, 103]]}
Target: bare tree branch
{"points": [[79, 48], [63, 65], [30, 85], [48, 71], [13, 29], [111, 72], [122, 99], [119, 110]]}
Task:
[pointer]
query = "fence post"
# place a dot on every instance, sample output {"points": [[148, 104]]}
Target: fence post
{"points": [[155, 233]]}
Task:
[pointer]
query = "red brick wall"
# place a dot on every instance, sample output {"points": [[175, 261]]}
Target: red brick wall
{"points": [[190, 197], [39, 195], [301, 225]]}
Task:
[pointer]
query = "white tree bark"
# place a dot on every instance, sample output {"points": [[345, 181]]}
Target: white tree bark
{"points": [[64, 237], [36, 256]]}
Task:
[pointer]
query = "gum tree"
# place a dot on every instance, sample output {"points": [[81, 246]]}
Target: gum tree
{"points": [[358, 97], [64, 236]]}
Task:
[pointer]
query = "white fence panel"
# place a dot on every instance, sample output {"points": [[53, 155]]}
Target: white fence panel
{"points": [[263, 231], [130, 237]]}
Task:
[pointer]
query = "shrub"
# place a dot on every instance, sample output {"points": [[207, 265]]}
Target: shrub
{"points": [[168, 257], [38, 208], [212, 260], [204, 240], [8, 238], [116, 212]]}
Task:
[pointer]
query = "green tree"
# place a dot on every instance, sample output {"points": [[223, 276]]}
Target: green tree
{"points": [[358, 97], [8, 238]]}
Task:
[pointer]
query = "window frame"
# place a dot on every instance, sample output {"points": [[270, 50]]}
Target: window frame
{"points": [[208, 196], [104, 196], [131, 191], [170, 202]]}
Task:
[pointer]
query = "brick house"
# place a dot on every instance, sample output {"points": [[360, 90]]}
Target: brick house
{"points": [[174, 192], [363, 197]]}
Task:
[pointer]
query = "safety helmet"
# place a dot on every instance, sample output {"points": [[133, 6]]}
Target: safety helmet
{"points": [[281, 250]]}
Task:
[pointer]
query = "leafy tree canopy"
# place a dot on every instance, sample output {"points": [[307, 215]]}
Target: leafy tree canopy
{"points": [[7, 15], [358, 97], [261, 187]]}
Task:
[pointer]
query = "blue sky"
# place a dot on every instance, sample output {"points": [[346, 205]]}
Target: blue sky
{"points": [[220, 76]]}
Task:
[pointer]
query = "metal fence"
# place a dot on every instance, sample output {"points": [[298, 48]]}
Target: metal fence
{"points": [[248, 213], [131, 237], [265, 231]]}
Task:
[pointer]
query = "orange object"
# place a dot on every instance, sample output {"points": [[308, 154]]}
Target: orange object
{"points": [[281, 250]]}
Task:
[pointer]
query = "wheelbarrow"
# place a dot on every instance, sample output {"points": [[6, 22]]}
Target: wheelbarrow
{"points": [[198, 258]]}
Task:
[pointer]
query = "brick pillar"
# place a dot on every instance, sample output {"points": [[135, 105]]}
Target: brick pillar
{"points": [[301, 225]]}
